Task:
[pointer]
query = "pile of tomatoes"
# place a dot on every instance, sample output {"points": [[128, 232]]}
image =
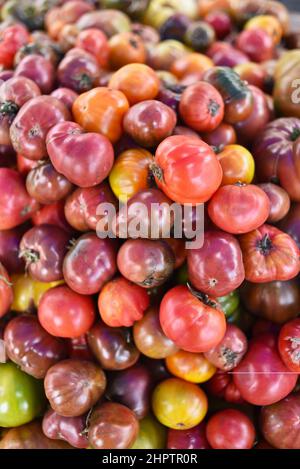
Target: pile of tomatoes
{"points": [[138, 342]]}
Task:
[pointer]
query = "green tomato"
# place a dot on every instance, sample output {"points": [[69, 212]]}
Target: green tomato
{"points": [[229, 303], [21, 396], [152, 435]]}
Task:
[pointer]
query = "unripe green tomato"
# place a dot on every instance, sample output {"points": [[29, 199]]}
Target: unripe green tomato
{"points": [[229, 303], [152, 435]]}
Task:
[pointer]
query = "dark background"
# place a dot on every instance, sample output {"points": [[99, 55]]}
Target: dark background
{"points": [[292, 4]]}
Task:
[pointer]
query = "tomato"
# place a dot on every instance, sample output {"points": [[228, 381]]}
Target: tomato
{"points": [[186, 169], [201, 107], [95, 42], [220, 21], [24, 165], [78, 70], [224, 54], [280, 201], [178, 404], [239, 208], [64, 313], [130, 173], [268, 23], [192, 367], [194, 438], [190, 63], [291, 223], [70, 429], [16, 205], [257, 44], [66, 143], [174, 27], [230, 429], [230, 351], [237, 164], [221, 385], [289, 343], [217, 267], [199, 36], [121, 302], [12, 38], [137, 81], [161, 55], [109, 21], [9, 249], [21, 396], [220, 137], [229, 303], [152, 435], [6, 291], [193, 321], [126, 48], [52, 214], [178, 247], [38, 69], [269, 254], [65, 95], [253, 73], [261, 377], [101, 110]]}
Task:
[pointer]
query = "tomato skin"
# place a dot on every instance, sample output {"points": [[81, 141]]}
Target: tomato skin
{"points": [[65, 95], [22, 397], [16, 206], [121, 302], [269, 254], [152, 435], [38, 69], [126, 48], [217, 267], [95, 42], [101, 110], [186, 169], [229, 303], [239, 208], [178, 404], [237, 165], [222, 136], [194, 438], [261, 377], [222, 386], [288, 344], [257, 44], [230, 351], [192, 367], [52, 214], [230, 429], [65, 313], [70, 429], [280, 201], [12, 38], [6, 291], [191, 324], [9, 249]]}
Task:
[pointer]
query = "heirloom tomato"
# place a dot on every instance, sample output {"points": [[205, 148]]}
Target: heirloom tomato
{"points": [[289, 344]]}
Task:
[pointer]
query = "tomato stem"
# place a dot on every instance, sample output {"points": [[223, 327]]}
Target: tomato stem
{"points": [[157, 172], [202, 296], [265, 244]]}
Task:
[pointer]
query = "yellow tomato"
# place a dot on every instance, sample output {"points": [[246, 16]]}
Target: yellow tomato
{"points": [[152, 435], [130, 173], [178, 404], [159, 11], [27, 292], [193, 367], [268, 23], [237, 164]]}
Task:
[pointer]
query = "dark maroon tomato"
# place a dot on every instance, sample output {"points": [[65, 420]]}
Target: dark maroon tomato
{"points": [[6, 291], [157, 369], [9, 249], [220, 21], [70, 429], [220, 137], [174, 27], [261, 326], [230, 351], [149, 122], [31, 347], [38, 69], [74, 386], [6, 74], [261, 377], [78, 71], [8, 157], [275, 301], [225, 55], [46, 185], [78, 348], [112, 426], [29, 129], [150, 208], [67, 143], [181, 130], [221, 385], [47, 50], [131, 387], [170, 95], [43, 248], [112, 346], [230, 429], [89, 264], [280, 424], [217, 267], [146, 262], [65, 95], [194, 438], [280, 201], [290, 224]]}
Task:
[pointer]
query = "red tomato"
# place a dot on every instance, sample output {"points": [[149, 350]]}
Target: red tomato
{"points": [[95, 42], [64, 313], [261, 377], [257, 44], [194, 438], [121, 302], [6, 291], [52, 214], [289, 345], [239, 208], [194, 323], [12, 39], [201, 107], [269, 254], [230, 429], [230, 351], [186, 169], [221, 385]]}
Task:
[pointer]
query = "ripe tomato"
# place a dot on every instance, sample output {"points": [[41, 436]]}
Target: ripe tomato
{"points": [[261, 377], [237, 164], [268, 23], [239, 208], [192, 367], [279, 199], [6, 291], [65, 313], [220, 137], [194, 438], [230, 429], [201, 107], [101, 110], [269, 254], [194, 322], [257, 44], [186, 169], [52, 214], [178, 404], [152, 435], [289, 345], [230, 351], [12, 38], [126, 48], [188, 64], [95, 42], [121, 302], [222, 386]]}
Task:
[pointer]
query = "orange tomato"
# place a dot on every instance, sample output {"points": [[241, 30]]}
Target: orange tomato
{"points": [[192, 367], [193, 63], [237, 165], [126, 48], [101, 110], [252, 73], [206, 6], [268, 23], [54, 22], [137, 81]]}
